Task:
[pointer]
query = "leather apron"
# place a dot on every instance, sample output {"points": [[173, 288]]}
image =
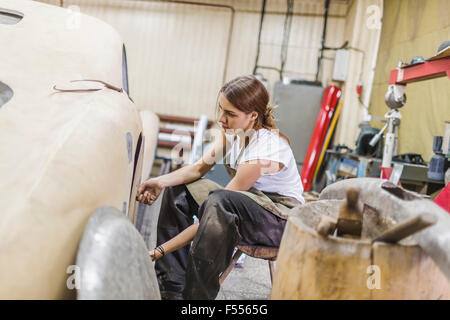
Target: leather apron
{"points": [[273, 202]]}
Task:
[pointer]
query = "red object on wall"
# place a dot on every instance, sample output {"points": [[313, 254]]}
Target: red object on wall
{"points": [[330, 99], [419, 72], [443, 198], [359, 89]]}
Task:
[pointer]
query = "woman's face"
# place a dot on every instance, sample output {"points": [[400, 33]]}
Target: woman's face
{"points": [[231, 117]]}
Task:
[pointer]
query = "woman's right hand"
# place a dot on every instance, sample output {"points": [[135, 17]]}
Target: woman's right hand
{"points": [[149, 191], [152, 254]]}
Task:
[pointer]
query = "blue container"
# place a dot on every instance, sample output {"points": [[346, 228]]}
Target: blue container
{"points": [[436, 171]]}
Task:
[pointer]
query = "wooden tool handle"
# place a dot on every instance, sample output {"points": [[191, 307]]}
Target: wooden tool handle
{"points": [[352, 198], [406, 228], [326, 226]]}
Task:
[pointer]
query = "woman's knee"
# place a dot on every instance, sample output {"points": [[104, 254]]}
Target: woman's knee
{"points": [[220, 203], [217, 213], [221, 196]]}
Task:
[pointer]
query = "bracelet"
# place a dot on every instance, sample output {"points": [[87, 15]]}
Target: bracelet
{"points": [[161, 250]]}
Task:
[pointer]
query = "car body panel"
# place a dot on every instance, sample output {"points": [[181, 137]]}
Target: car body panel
{"points": [[63, 154]]}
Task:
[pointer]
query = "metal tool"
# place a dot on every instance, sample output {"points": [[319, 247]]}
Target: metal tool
{"points": [[350, 216]]}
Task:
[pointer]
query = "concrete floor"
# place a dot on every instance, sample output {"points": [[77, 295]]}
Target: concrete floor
{"points": [[251, 281]]}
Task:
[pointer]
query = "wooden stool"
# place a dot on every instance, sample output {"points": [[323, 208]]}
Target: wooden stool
{"points": [[260, 252]]}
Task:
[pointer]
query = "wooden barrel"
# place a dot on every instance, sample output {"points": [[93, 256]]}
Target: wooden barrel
{"points": [[310, 266]]}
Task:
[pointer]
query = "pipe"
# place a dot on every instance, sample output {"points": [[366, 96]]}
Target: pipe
{"points": [[286, 34], [367, 116], [230, 31], [327, 6], [261, 21]]}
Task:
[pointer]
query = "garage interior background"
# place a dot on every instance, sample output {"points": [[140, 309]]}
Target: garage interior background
{"points": [[179, 54]]}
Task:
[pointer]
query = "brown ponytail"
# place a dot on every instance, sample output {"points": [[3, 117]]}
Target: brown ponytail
{"points": [[268, 121], [248, 94]]}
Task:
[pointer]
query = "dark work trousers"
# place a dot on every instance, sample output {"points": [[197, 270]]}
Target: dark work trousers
{"points": [[227, 218]]}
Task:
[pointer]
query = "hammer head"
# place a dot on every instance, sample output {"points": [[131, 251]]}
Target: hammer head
{"points": [[350, 216], [349, 227]]}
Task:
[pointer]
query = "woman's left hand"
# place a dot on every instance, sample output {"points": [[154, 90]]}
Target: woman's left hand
{"points": [[149, 191]]}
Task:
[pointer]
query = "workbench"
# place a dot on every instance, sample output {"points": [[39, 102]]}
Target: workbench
{"points": [[349, 165]]}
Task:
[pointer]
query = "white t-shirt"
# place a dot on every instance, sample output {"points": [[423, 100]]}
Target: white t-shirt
{"points": [[268, 145]]}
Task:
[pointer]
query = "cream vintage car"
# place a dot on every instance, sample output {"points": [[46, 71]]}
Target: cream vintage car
{"points": [[71, 141]]}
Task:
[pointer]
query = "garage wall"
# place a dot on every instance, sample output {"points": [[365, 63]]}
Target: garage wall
{"points": [[414, 28], [52, 2], [363, 28], [179, 55]]}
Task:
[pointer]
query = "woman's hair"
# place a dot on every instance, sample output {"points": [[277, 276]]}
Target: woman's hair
{"points": [[248, 94]]}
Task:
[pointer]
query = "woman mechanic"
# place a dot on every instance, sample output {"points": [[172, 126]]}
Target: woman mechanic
{"points": [[252, 209]]}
